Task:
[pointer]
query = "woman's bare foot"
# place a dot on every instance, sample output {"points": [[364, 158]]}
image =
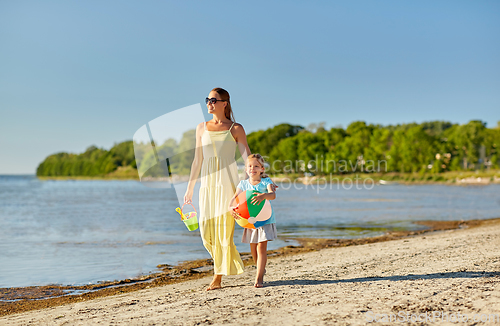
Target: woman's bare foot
{"points": [[258, 285], [213, 286], [216, 283]]}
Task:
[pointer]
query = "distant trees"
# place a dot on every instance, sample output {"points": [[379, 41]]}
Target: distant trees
{"points": [[434, 146], [180, 155], [93, 162], [266, 140], [412, 150]]}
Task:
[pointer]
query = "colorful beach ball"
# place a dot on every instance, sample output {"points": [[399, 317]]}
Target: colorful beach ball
{"points": [[253, 216]]}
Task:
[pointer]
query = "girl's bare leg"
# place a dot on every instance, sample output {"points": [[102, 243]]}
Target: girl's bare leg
{"points": [[253, 250], [216, 283], [261, 264]]}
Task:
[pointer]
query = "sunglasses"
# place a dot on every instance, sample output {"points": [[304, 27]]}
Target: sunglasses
{"points": [[212, 100]]}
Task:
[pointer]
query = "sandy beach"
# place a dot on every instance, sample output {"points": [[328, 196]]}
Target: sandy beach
{"points": [[442, 277]]}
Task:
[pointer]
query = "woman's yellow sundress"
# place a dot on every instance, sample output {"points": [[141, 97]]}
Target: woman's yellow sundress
{"points": [[219, 178]]}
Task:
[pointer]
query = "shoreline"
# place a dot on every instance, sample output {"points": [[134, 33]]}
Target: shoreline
{"points": [[452, 178], [39, 297]]}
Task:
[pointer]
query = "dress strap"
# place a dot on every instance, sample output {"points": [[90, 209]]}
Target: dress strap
{"points": [[231, 126]]}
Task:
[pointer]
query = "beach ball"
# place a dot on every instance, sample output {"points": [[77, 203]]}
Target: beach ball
{"points": [[253, 216]]}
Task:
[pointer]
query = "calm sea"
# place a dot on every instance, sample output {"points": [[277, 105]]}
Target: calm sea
{"points": [[80, 232]]}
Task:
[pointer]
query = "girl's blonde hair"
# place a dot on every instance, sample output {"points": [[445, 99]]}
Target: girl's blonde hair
{"points": [[224, 95], [261, 161]]}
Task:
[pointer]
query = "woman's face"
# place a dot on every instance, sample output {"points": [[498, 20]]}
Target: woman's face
{"points": [[253, 167], [215, 107]]}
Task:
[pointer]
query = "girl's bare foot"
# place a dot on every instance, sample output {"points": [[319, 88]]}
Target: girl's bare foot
{"points": [[258, 285], [216, 283], [259, 282]]}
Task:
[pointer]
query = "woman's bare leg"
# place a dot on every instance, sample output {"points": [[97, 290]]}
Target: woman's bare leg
{"points": [[216, 283], [261, 264]]}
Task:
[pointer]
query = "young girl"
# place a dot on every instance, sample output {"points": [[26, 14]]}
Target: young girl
{"points": [[258, 237]]}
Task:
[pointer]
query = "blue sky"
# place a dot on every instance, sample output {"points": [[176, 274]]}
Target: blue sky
{"points": [[81, 73]]}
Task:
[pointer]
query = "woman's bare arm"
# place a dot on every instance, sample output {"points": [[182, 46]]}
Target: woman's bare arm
{"points": [[230, 208], [198, 159], [241, 139], [238, 191]]}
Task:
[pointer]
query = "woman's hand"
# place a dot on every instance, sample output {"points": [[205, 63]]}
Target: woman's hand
{"points": [[257, 199], [188, 197], [234, 214]]}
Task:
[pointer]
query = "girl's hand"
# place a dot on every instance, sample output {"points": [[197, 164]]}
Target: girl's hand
{"points": [[234, 214], [257, 199]]}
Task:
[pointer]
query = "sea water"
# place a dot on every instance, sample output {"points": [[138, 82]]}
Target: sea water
{"points": [[80, 232]]}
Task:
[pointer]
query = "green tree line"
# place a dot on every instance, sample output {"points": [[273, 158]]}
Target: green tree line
{"points": [[435, 146], [93, 162]]}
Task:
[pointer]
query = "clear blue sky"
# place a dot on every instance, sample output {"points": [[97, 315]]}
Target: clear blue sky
{"points": [[81, 73]]}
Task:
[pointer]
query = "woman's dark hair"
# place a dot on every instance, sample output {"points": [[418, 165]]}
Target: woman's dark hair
{"points": [[224, 95]]}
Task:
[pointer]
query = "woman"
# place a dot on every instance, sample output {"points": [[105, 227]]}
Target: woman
{"points": [[216, 142]]}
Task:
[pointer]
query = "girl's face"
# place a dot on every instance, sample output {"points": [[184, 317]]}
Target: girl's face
{"points": [[254, 168], [218, 106]]}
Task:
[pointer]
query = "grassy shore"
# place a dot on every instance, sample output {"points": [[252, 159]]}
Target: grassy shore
{"points": [[453, 177], [122, 173]]}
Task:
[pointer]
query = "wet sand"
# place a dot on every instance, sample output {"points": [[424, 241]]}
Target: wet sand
{"points": [[455, 270]]}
